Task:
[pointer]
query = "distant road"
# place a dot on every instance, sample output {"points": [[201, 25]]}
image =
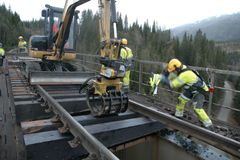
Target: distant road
{"points": [[224, 113]]}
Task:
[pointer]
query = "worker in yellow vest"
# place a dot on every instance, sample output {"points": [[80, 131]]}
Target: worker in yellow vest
{"points": [[127, 56], [22, 44], [194, 87], [2, 56]]}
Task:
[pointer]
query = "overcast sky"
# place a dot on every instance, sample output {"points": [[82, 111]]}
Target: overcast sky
{"points": [[167, 13]]}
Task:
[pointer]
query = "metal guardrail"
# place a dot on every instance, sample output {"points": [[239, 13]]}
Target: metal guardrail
{"points": [[88, 59], [210, 71], [81, 136]]}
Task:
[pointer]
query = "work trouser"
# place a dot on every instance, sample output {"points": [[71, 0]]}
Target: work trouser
{"points": [[126, 81], [1, 61], [126, 78], [198, 102], [1, 64], [22, 49]]}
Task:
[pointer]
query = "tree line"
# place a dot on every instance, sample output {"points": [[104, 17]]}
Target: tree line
{"points": [[11, 27], [150, 42], [147, 41]]}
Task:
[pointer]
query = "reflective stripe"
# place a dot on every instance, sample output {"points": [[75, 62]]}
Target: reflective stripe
{"points": [[184, 97], [180, 81], [185, 78], [126, 53], [176, 83]]}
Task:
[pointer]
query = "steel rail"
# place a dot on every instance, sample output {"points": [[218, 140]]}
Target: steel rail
{"points": [[56, 78], [89, 142], [224, 143]]}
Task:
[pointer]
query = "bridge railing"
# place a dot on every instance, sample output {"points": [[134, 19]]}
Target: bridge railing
{"points": [[143, 69], [212, 74]]}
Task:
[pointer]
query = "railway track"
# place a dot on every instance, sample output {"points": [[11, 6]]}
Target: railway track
{"points": [[48, 113]]}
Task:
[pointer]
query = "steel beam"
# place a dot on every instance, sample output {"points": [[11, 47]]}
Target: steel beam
{"points": [[111, 134], [32, 110], [90, 143], [48, 124]]}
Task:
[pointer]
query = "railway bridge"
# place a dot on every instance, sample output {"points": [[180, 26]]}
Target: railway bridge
{"points": [[42, 120]]}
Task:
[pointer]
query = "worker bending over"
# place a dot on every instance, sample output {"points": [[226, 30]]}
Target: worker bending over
{"points": [[194, 88], [127, 56], [22, 44], [2, 56]]}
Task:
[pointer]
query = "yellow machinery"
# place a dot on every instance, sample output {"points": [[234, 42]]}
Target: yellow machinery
{"points": [[57, 46], [105, 94]]}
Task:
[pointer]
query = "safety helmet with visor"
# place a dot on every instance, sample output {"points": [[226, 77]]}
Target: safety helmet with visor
{"points": [[173, 65]]}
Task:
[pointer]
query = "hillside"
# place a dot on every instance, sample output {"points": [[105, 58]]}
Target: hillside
{"points": [[222, 29]]}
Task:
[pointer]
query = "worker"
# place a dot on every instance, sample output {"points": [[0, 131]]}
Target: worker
{"points": [[127, 56], [2, 56], [22, 44], [194, 87]]}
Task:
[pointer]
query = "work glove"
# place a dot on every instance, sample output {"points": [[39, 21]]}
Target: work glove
{"points": [[128, 63], [154, 82]]}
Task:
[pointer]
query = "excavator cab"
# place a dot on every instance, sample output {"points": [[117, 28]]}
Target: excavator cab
{"points": [[51, 54], [53, 19], [42, 46]]}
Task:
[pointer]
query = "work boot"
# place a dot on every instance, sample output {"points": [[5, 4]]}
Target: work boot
{"points": [[210, 128], [207, 123], [203, 117], [179, 114]]}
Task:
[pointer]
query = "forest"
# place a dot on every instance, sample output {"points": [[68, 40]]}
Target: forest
{"points": [[147, 41]]}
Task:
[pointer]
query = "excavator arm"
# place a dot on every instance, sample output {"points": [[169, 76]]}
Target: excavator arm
{"points": [[62, 34], [105, 95], [55, 45]]}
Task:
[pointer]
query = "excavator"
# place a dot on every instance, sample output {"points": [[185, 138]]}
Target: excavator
{"points": [[104, 91], [58, 43], [105, 94], [53, 52]]}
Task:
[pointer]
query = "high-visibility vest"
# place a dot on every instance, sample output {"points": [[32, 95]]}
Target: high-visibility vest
{"points": [[126, 53], [2, 52], [127, 56], [188, 79], [22, 44]]}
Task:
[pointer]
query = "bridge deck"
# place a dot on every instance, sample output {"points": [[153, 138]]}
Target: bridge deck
{"points": [[10, 138]]}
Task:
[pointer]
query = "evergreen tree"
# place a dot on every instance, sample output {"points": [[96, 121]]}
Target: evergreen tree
{"points": [[10, 27]]}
